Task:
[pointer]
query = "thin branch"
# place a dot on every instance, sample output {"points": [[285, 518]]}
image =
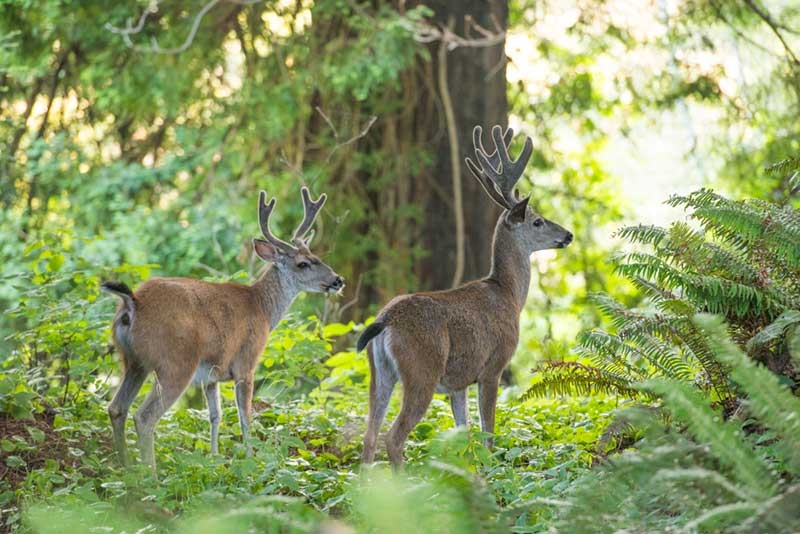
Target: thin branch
{"points": [[427, 33], [189, 38], [328, 121], [765, 16], [154, 47], [350, 141], [354, 300], [455, 161]]}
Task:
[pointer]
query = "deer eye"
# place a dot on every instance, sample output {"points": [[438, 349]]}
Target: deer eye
{"points": [[303, 265], [538, 222]]}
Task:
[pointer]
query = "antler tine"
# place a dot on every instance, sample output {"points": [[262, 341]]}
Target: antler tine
{"points": [[494, 157], [264, 211], [498, 166], [509, 172], [310, 210], [488, 184]]}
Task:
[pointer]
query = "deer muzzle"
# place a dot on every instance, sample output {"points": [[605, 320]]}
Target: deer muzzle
{"points": [[336, 286], [564, 241]]}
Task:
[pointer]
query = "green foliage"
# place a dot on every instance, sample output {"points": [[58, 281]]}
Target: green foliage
{"points": [[737, 475], [741, 259], [311, 405]]}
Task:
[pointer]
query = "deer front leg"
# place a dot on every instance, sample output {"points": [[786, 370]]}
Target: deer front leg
{"points": [[214, 409], [244, 404], [118, 409], [460, 407], [487, 400]]}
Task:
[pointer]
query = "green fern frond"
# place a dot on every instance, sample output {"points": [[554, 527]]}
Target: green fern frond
{"points": [[727, 264], [695, 340], [785, 166], [768, 399], [694, 474], [573, 378], [773, 332], [611, 308], [650, 267], [663, 356], [628, 421], [730, 298], [722, 437], [717, 518], [657, 293], [701, 197], [644, 234], [677, 306], [739, 225], [609, 353]]}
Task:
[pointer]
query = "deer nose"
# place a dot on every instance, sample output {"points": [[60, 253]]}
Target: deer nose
{"points": [[567, 240], [338, 283]]}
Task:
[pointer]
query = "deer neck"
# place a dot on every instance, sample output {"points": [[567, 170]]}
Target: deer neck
{"points": [[276, 292], [511, 266]]}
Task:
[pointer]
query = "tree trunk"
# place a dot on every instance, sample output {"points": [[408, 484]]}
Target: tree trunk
{"points": [[476, 79], [413, 215]]}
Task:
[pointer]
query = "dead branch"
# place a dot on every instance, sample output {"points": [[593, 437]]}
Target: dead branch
{"points": [[154, 47]]}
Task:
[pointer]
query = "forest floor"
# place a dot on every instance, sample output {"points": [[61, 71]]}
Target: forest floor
{"points": [[305, 471]]}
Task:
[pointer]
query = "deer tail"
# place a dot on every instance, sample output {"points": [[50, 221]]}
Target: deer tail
{"points": [[122, 291], [369, 332]]}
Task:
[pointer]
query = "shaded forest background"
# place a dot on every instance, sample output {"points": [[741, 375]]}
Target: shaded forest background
{"points": [[135, 136], [149, 146]]}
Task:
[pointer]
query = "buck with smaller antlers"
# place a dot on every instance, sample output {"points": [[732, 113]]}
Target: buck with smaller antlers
{"points": [[187, 330], [444, 341]]}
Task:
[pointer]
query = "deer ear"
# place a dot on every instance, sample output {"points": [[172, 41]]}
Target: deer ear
{"points": [[517, 213], [266, 250]]}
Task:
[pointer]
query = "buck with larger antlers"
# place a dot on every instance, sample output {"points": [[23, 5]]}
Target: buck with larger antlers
{"points": [[444, 341], [187, 330]]}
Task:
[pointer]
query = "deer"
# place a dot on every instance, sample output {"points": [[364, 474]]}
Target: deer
{"points": [[445, 341], [190, 331]]}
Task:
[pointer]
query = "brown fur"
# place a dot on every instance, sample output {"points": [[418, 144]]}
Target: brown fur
{"points": [[185, 330], [447, 340]]}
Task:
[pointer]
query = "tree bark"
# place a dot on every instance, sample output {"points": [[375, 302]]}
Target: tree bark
{"points": [[476, 79]]}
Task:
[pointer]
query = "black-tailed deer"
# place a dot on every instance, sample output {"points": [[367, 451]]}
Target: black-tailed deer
{"points": [[443, 341], [187, 330]]}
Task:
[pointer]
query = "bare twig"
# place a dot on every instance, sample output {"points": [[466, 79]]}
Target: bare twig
{"points": [[764, 15], [354, 300], [427, 33], [328, 121], [154, 47], [353, 139]]}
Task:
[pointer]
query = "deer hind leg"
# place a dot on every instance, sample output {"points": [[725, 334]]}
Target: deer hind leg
{"points": [[459, 406], [383, 377], [212, 399], [118, 408], [487, 401], [163, 395], [244, 406], [416, 399]]}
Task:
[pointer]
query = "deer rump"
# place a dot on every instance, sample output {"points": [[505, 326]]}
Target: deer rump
{"points": [[149, 338], [438, 342]]}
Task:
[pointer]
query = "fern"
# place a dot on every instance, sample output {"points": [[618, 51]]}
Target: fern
{"points": [[704, 423], [742, 262], [712, 477], [570, 378], [767, 398], [786, 166]]}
